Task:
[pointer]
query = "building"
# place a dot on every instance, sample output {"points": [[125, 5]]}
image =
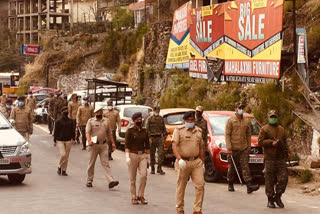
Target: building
{"points": [[105, 8], [143, 11], [28, 18]]}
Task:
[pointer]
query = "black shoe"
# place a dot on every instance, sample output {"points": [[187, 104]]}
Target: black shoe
{"points": [[113, 184], [59, 171], [252, 187], [271, 203], [89, 184], [152, 169], [110, 157], [159, 170], [83, 148], [277, 199], [230, 187], [64, 173]]}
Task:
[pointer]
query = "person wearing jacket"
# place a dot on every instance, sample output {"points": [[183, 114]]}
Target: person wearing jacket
{"points": [[64, 137], [238, 142], [273, 140]]}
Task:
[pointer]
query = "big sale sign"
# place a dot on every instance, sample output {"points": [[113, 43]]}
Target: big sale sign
{"points": [[247, 34]]}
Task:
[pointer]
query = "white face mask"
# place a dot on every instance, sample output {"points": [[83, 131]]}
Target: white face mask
{"points": [[110, 108]]}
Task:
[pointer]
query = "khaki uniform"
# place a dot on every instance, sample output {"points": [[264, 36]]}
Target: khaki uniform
{"points": [[238, 140], [23, 120], [3, 100], [51, 104], [202, 124], [275, 157], [114, 119], [84, 113], [5, 111], [189, 143], [31, 102], [73, 109], [102, 130], [58, 105]]}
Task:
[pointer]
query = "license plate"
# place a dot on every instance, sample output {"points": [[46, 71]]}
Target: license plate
{"points": [[256, 160], [4, 161]]}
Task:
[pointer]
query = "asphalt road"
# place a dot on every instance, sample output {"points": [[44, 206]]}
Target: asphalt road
{"points": [[44, 192]]}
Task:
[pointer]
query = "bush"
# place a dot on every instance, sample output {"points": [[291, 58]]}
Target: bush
{"points": [[110, 51], [71, 64], [124, 69], [121, 18], [23, 88], [139, 100], [305, 176], [90, 40], [117, 77], [314, 38], [288, 5]]}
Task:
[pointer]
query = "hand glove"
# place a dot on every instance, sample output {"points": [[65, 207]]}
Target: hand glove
{"points": [[182, 164], [128, 160]]}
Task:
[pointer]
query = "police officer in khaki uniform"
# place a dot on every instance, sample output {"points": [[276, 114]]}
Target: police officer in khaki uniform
{"points": [[115, 121], [6, 110], [188, 148], [98, 130], [22, 117], [31, 102], [238, 142], [73, 107], [202, 124], [137, 155], [3, 99], [85, 112]]}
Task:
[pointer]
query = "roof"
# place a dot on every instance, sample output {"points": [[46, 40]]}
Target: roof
{"points": [[174, 110], [8, 74], [224, 113], [107, 82], [141, 4]]}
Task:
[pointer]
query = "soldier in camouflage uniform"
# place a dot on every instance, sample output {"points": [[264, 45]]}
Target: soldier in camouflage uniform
{"points": [[238, 143], [273, 139], [58, 105], [52, 100], [158, 133], [202, 124]]}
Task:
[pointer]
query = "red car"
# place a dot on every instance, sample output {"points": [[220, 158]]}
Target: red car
{"points": [[216, 162]]}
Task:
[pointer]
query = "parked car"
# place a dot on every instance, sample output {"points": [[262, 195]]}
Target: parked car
{"points": [[216, 163], [40, 97], [126, 112], [15, 155], [46, 91], [41, 111], [173, 117]]}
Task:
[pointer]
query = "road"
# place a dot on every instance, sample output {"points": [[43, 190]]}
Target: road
{"points": [[44, 192]]}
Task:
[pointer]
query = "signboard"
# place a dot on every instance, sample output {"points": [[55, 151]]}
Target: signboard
{"points": [[30, 49], [14, 79], [178, 52], [302, 52], [301, 55], [198, 68], [246, 34]]}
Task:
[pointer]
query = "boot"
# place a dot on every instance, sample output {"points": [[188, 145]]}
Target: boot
{"points": [[59, 171], [110, 156], [230, 187], [152, 169], [159, 170], [277, 199], [271, 203], [252, 187]]}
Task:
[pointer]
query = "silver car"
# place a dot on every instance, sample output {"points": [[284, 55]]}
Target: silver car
{"points": [[15, 155]]}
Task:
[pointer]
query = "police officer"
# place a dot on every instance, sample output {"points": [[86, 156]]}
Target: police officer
{"points": [[6, 110], [58, 105], [157, 132], [238, 142], [84, 113], [202, 124], [3, 99], [64, 135], [273, 139], [22, 117], [73, 107], [98, 130], [31, 102], [114, 119], [188, 149], [52, 99], [137, 148]]}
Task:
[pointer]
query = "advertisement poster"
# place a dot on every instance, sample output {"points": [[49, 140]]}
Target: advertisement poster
{"points": [[246, 34]]}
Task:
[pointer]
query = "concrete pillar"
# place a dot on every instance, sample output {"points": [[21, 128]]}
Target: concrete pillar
{"points": [[71, 15], [39, 17], [24, 20], [48, 14]]}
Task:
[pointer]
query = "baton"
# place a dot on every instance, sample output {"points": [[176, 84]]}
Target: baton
{"points": [[235, 166]]}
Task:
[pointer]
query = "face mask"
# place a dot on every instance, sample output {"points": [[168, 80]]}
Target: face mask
{"points": [[156, 114], [65, 114], [273, 121], [20, 103], [55, 95], [9, 106], [61, 96], [189, 125], [139, 124], [240, 111], [84, 102], [99, 116], [110, 107]]}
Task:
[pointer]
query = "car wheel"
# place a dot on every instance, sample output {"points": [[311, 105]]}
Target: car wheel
{"points": [[16, 178], [210, 174]]}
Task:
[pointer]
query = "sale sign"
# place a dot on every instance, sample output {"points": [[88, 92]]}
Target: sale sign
{"points": [[30, 49]]}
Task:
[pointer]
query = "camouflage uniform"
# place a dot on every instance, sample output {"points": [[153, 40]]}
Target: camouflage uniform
{"points": [[84, 113], [202, 124], [31, 103], [52, 101], [58, 105], [276, 173], [157, 132]]}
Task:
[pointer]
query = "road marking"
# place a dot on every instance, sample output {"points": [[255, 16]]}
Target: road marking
{"points": [[42, 128]]}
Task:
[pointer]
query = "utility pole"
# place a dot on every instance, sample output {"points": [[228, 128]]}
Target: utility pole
{"points": [[145, 12], [158, 10]]}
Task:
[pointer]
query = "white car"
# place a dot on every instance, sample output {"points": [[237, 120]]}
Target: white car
{"points": [[126, 112]]}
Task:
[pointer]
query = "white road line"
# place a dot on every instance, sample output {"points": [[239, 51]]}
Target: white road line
{"points": [[42, 128]]}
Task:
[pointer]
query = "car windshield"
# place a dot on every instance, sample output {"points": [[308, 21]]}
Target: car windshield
{"points": [[129, 111], [174, 119], [218, 125], [4, 124]]}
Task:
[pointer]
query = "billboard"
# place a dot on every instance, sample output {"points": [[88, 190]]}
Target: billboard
{"points": [[246, 34], [30, 49]]}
